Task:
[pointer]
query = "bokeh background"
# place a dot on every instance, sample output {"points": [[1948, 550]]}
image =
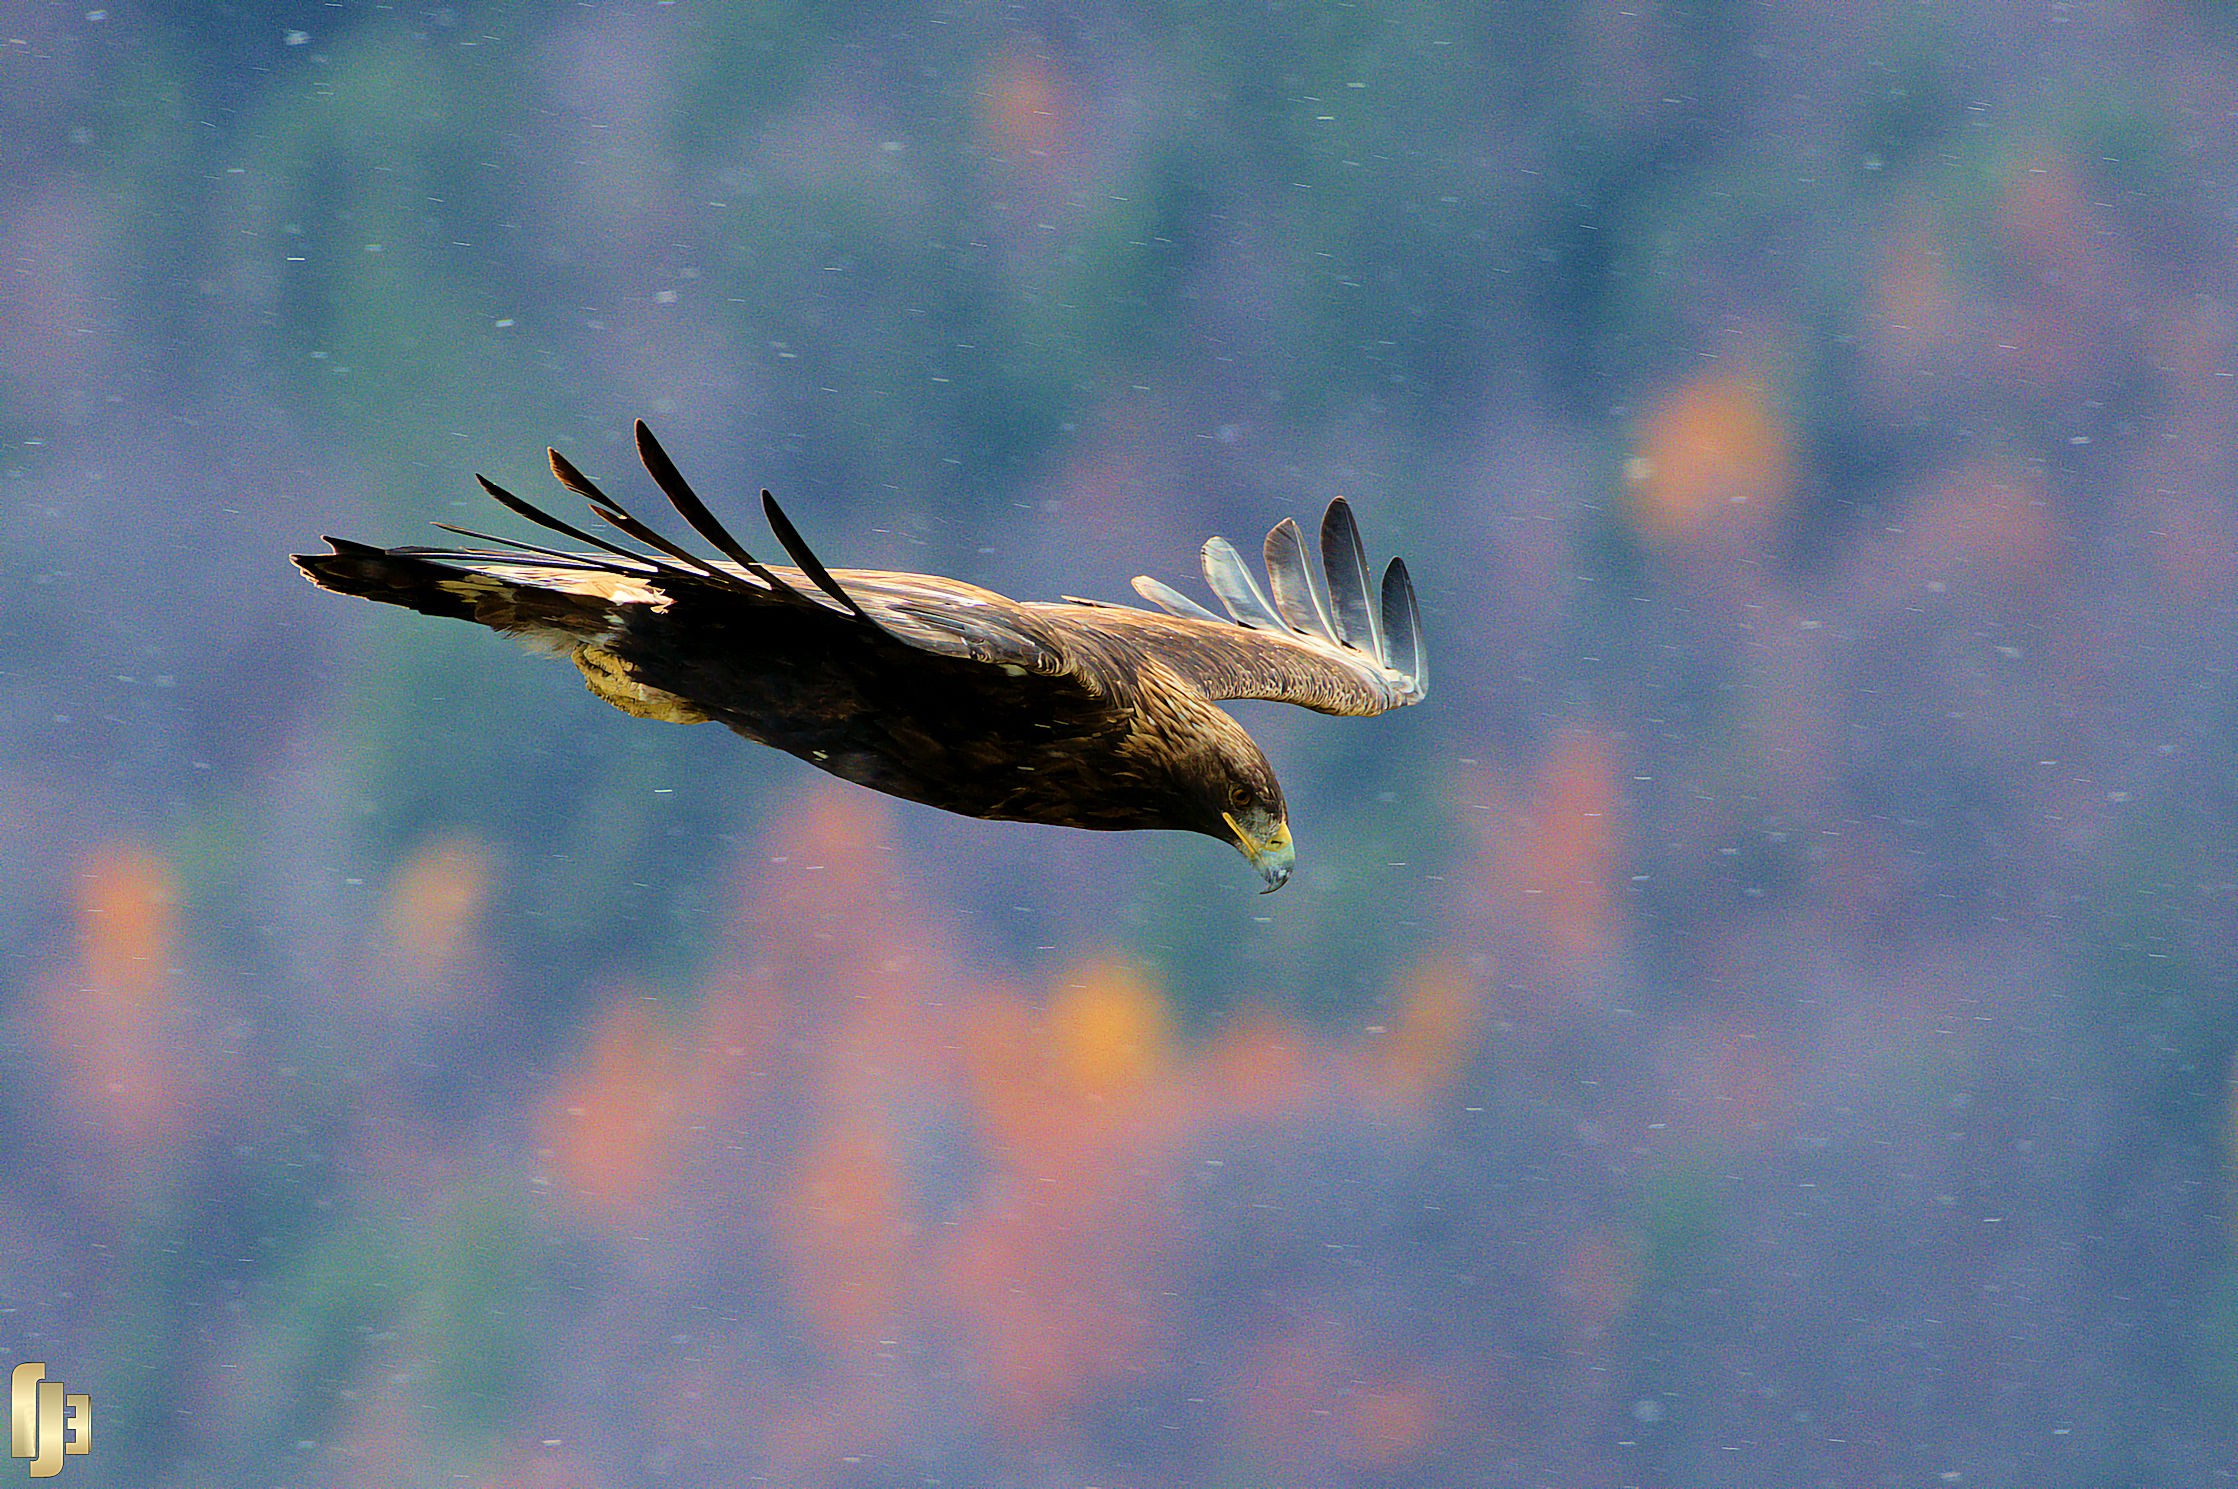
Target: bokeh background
{"points": [[1767, 1020]]}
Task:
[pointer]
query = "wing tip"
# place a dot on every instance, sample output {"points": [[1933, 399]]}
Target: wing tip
{"points": [[1405, 652], [1342, 606], [1291, 581], [1352, 601]]}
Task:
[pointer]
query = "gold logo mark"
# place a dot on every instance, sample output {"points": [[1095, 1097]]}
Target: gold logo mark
{"points": [[36, 1407]]}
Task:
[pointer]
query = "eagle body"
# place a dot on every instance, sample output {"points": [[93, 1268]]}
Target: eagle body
{"points": [[927, 688]]}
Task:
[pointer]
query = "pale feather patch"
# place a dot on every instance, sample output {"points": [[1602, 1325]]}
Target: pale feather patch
{"points": [[597, 584], [470, 585], [503, 581]]}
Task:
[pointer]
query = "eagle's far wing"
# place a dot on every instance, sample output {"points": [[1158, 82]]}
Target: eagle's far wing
{"points": [[929, 613], [932, 614], [1326, 645]]}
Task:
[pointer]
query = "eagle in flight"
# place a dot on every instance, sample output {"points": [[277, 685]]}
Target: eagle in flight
{"points": [[1079, 713]]}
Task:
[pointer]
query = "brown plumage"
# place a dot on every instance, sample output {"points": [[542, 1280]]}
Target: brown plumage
{"points": [[1079, 713]]}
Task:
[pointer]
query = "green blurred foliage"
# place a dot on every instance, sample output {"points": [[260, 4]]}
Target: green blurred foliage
{"points": [[1681, 1213], [475, 1286], [748, 61], [262, 1239], [876, 289], [2174, 1028], [364, 198]]}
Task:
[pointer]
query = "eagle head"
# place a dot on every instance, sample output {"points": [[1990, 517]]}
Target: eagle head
{"points": [[1233, 796], [1261, 832]]}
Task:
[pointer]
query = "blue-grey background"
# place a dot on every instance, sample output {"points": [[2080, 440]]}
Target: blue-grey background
{"points": [[1768, 1018]]}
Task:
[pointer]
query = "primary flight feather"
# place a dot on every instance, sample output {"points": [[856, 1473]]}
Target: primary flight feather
{"points": [[1077, 713]]}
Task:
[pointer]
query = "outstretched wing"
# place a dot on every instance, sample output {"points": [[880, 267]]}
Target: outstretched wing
{"points": [[1324, 644], [570, 590], [1324, 640]]}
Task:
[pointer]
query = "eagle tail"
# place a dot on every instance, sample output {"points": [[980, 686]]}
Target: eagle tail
{"points": [[371, 573], [566, 604], [539, 605]]}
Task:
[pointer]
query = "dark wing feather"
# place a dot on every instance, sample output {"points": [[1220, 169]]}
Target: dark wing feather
{"points": [[542, 518], [1342, 658], [922, 611], [789, 537], [942, 616], [1402, 626], [549, 555], [1325, 645], [694, 511], [616, 516]]}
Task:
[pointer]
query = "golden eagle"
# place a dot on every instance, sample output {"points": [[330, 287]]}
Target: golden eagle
{"points": [[1080, 713]]}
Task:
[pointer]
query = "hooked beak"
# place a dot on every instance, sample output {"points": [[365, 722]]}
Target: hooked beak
{"points": [[1271, 855]]}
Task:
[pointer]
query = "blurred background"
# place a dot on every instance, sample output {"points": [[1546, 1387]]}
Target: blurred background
{"points": [[1767, 1020]]}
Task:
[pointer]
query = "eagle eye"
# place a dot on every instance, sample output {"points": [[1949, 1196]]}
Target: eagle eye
{"points": [[1239, 796]]}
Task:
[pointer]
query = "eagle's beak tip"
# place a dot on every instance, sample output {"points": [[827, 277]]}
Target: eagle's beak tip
{"points": [[1271, 855]]}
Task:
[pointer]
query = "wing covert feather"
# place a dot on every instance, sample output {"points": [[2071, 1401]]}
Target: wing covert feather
{"points": [[1224, 661]]}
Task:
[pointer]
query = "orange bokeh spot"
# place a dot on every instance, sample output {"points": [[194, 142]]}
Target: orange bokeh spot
{"points": [[834, 843], [1597, 1281], [1434, 1033], [1311, 1395], [435, 904], [731, 1061], [1573, 847], [1752, 1082], [2045, 214], [1030, 1116], [1713, 455], [1260, 1066], [524, 1466], [2195, 551], [112, 1018], [1022, 108], [1055, 1287], [1986, 513], [1915, 307], [843, 1228], [1386, 1422], [1111, 1028], [612, 1118]]}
